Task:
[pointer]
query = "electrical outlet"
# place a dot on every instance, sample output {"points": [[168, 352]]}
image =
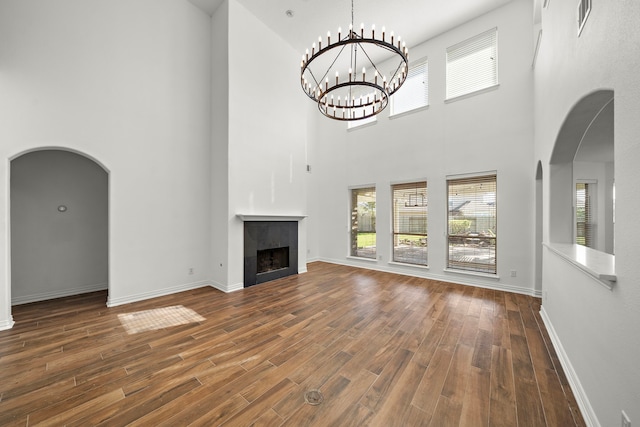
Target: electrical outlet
{"points": [[514, 273], [191, 270], [626, 422]]}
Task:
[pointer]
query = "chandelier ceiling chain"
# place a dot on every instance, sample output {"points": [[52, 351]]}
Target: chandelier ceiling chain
{"points": [[353, 95]]}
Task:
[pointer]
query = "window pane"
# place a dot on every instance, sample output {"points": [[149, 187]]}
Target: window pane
{"points": [[473, 64], [414, 92], [584, 220], [472, 224], [410, 223], [363, 222]]}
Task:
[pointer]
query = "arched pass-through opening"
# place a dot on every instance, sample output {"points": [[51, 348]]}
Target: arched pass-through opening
{"points": [[587, 133], [59, 225]]}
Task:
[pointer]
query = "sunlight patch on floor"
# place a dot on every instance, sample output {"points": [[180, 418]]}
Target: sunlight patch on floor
{"points": [[158, 318]]}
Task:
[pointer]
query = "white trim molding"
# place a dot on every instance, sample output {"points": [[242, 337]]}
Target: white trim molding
{"points": [[43, 296], [251, 217], [586, 409], [6, 324], [114, 302]]}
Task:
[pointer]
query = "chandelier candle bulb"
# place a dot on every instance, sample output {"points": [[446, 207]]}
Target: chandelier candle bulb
{"points": [[339, 31], [350, 72], [328, 38], [319, 43], [362, 30], [313, 49], [364, 79], [382, 33], [391, 37], [373, 31]]}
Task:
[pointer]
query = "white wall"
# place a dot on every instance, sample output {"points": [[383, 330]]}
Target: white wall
{"points": [[267, 128], [492, 131], [55, 253], [597, 329], [126, 83], [220, 146]]}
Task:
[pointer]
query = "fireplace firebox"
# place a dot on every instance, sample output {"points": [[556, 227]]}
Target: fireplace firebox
{"points": [[270, 250], [273, 259]]}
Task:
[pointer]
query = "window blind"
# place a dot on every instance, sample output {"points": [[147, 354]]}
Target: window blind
{"points": [[584, 220], [472, 223], [410, 223], [472, 65], [414, 93]]}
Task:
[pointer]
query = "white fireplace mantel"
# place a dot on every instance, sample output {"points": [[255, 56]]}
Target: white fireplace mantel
{"points": [[252, 217]]}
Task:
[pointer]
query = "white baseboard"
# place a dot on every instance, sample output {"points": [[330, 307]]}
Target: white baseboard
{"points": [[43, 296], [113, 302], [582, 399], [460, 279], [6, 324], [227, 289]]}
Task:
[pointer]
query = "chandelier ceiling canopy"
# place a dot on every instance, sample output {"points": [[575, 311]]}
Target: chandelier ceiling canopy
{"points": [[339, 74]]}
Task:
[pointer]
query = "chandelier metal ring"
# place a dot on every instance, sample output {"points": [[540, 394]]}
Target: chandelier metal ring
{"points": [[353, 95]]}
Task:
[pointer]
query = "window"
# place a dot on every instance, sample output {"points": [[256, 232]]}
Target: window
{"points": [[584, 214], [414, 93], [363, 222], [472, 231], [472, 65], [410, 223]]}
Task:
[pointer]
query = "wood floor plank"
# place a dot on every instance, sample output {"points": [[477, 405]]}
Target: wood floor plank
{"points": [[384, 349]]}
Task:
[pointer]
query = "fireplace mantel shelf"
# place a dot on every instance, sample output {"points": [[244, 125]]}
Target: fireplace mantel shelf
{"points": [[251, 217]]}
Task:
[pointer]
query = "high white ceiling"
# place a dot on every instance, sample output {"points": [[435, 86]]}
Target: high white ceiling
{"points": [[414, 20]]}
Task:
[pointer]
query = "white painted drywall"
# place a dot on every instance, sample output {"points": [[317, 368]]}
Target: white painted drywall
{"points": [[57, 253], [128, 84], [491, 131], [267, 128], [597, 328], [220, 146]]}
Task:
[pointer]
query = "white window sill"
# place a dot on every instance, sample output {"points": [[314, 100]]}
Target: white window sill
{"points": [[408, 112], [472, 273], [406, 264], [359, 258], [474, 93], [600, 265]]}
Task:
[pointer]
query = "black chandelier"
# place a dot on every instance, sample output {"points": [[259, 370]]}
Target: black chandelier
{"points": [[329, 73]]}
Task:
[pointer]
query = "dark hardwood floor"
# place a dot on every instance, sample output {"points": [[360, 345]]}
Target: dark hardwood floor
{"points": [[383, 350]]}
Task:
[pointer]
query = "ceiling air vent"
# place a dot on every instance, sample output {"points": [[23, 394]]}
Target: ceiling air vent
{"points": [[584, 8]]}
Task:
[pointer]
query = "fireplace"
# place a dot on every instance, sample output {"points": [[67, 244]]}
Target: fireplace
{"points": [[273, 259], [270, 250]]}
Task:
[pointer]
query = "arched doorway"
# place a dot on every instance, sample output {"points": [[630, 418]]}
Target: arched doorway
{"points": [[59, 225]]}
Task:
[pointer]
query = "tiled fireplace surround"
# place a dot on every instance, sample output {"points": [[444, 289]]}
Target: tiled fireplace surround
{"points": [[262, 234]]}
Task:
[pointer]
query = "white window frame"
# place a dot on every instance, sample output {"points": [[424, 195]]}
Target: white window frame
{"points": [[417, 205], [416, 69], [475, 241], [472, 65], [353, 249]]}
